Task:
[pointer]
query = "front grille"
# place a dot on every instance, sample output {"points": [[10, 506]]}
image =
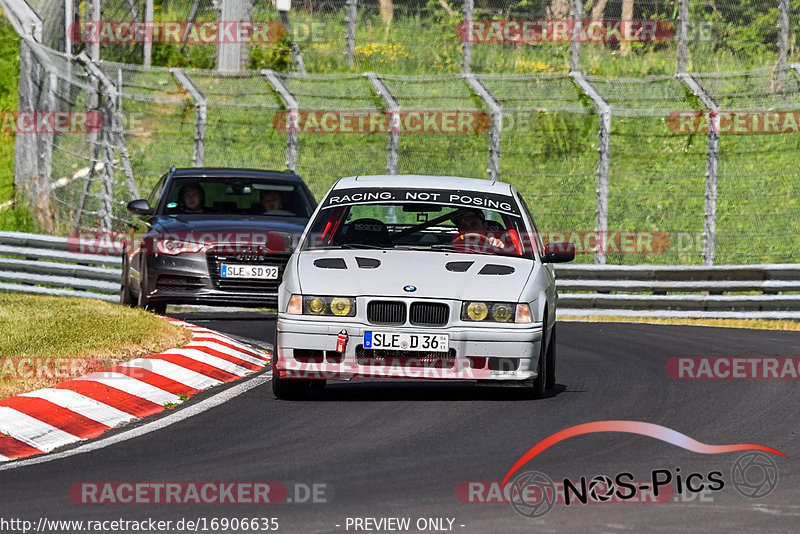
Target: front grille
{"points": [[171, 282], [386, 312], [245, 284], [429, 313], [406, 358]]}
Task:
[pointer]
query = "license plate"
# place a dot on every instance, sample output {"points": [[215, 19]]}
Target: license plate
{"points": [[263, 272], [414, 342]]}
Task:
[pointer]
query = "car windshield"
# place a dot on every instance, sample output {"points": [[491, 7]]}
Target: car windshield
{"points": [[237, 196], [344, 222]]}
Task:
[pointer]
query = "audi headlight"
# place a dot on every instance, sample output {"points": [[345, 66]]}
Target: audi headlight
{"points": [[173, 247], [338, 306], [494, 312]]}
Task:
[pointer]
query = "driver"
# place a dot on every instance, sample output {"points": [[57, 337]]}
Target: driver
{"points": [[192, 198], [472, 221]]}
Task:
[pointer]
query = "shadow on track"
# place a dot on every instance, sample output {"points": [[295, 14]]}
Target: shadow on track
{"points": [[412, 391]]}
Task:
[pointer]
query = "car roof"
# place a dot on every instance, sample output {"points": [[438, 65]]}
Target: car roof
{"points": [[423, 181], [222, 172]]}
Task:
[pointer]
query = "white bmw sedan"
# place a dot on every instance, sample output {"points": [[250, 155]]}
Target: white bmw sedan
{"points": [[418, 277]]}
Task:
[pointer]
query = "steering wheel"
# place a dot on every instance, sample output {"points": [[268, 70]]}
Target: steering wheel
{"points": [[471, 242]]}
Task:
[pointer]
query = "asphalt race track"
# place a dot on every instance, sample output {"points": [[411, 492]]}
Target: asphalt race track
{"points": [[401, 450]]}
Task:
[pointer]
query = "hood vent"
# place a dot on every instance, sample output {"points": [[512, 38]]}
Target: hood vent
{"points": [[330, 263], [458, 266], [368, 263], [493, 268]]}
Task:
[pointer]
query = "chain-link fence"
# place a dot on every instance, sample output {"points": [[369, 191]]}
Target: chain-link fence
{"points": [[664, 155]]}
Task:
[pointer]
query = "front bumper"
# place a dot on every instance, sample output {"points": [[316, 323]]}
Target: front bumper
{"points": [[308, 349], [187, 279]]}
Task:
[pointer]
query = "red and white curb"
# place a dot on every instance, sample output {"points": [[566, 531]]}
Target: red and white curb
{"points": [[83, 408]]}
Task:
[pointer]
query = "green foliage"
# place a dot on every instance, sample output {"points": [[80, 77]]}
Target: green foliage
{"points": [[278, 58], [9, 77]]}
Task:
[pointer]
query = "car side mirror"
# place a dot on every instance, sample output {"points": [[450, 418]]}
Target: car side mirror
{"points": [[140, 207], [558, 252]]}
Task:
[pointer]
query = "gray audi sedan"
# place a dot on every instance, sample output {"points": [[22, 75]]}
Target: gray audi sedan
{"points": [[214, 236]]}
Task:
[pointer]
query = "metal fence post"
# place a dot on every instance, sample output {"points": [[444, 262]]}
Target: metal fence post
{"points": [[24, 144], [466, 37], [394, 131], [150, 33], [119, 131], [107, 189], [350, 34], [577, 28], [200, 118], [106, 144], [783, 43], [298, 57], [683, 37], [712, 167], [292, 117], [94, 53], [230, 55], [46, 139], [603, 162], [497, 124]]}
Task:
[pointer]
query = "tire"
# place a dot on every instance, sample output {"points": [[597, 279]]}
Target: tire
{"points": [[143, 302], [539, 386], [540, 383], [290, 389], [125, 294], [551, 360]]}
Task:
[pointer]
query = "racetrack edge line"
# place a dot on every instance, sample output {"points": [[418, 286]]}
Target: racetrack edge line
{"points": [[163, 422]]}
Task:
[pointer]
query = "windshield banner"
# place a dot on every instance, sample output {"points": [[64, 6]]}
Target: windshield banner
{"points": [[440, 197]]}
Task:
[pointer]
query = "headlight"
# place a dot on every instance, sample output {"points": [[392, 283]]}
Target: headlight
{"points": [[495, 312], [476, 311], [339, 306], [502, 312], [173, 247]]}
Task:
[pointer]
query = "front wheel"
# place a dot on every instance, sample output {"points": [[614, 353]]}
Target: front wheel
{"points": [[539, 386], [145, 303], [551, 360], [125, 293], [290, 388]]}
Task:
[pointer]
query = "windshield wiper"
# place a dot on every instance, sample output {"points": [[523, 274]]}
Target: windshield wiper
{"points": [[359, 245]]}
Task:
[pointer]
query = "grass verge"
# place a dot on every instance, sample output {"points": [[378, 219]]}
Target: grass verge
{"points": [[758, 324], [47, 340]]}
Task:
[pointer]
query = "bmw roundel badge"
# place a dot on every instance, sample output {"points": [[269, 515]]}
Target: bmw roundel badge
{"points": [[410, 288]]}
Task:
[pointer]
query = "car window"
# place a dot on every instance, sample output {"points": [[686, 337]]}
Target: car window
{"points": [[459, 227], [237, 196], [155, 194], [536, 238]]}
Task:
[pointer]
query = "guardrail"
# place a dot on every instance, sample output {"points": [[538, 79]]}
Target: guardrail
{"points": [[44, 265], [31, 263]]}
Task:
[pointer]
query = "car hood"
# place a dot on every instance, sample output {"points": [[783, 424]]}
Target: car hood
{"points": [[433, 274], [228, 223]]}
